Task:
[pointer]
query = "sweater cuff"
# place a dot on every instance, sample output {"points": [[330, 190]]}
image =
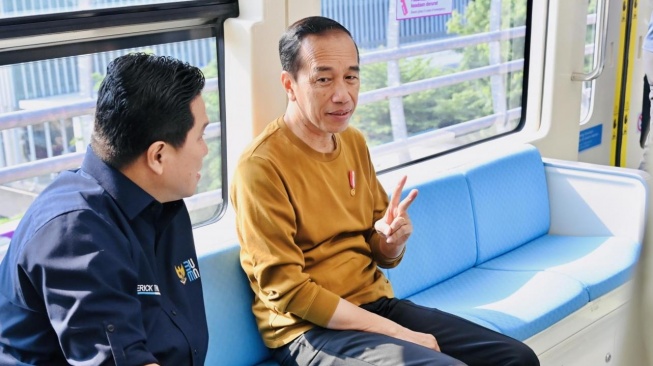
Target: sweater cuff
{"points": [[322, 308], [381, 260]]}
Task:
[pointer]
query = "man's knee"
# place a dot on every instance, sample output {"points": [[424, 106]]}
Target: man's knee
{"points": [[526, 357]]}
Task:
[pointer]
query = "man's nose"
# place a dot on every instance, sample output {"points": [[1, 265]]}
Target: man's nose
{"points": [[206, 150], [340, 92]]}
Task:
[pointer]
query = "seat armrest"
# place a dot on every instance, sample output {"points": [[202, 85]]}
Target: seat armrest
{"points": [[596, 200]]}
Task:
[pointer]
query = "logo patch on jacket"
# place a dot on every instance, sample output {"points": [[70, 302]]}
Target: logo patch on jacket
{"points": [[187, 271], [148, 290]]}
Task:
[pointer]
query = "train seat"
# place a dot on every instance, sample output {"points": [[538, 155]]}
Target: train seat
{"points": [[513, 242], [600, 263], [519, 304], [484, 246], [464, 218], [233, 335]]}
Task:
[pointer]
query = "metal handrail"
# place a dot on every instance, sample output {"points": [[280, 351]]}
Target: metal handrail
{"points": [[56, 164], [439, 82], [29, 117], [441, 45], [602, 33]]}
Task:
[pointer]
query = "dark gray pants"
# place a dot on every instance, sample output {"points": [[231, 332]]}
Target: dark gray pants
{"points": [[461, 341]]}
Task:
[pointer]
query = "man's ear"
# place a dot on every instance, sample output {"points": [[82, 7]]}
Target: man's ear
{"points": [[155, 155], [288, 85]]}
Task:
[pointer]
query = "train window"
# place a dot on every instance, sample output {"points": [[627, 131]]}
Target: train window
{"points": [[435, 76], [17, 8], [50, 70], [47, 117], [591, 43]]}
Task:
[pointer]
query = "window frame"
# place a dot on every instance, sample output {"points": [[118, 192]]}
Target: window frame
{"points": [[395, 147], [93, 19], [56, 35]]}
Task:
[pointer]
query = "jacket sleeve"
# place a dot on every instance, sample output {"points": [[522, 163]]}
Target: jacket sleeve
{"points": [[81, 268]]}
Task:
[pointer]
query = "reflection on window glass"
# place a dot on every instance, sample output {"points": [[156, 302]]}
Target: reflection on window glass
{"points": [[438, 76], [17, 8], [46, 120], [590, 44]]}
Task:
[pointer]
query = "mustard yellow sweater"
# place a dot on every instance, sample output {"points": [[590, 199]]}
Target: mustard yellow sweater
{"points": [[305, 239]]}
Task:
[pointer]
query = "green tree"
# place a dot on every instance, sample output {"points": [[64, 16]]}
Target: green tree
{"points": [[212, 167], [446, 106], [476, 20], [212, 98], [374, 119], [424, 111]]}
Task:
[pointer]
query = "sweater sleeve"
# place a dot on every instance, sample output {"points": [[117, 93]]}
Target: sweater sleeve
{"points": [[266, 224], [381, 202]]}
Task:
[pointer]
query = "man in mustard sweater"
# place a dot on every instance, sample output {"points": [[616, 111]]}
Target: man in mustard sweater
{"points": [[314, 223]]}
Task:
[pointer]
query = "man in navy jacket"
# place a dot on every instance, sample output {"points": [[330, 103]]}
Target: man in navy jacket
{"points": [[102, 268]]}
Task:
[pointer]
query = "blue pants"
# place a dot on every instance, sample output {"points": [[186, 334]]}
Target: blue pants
{"points": [[461, 341]]}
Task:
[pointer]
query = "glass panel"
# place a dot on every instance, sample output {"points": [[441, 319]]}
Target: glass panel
{"points": [[46, 119], [438, 78], [591, 43], [17, 8]]}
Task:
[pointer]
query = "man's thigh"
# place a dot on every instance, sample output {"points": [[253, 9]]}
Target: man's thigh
{"points": [[458, 337], [321, 346]]}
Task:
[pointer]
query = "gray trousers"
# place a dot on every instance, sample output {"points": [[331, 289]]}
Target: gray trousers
{"points": [[461, 341]]}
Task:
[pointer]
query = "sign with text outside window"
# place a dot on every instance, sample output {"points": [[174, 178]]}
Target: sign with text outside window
{"points": [[407, 9]]}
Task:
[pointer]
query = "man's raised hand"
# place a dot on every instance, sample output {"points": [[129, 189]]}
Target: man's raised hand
{"points": [[395, 225]]}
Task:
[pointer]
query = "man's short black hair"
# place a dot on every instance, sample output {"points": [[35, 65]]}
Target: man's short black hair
{"points": [[143, 99], [290, 41]]}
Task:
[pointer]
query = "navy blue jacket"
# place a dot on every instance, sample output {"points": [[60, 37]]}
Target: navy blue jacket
{"points": [[98, 272]]}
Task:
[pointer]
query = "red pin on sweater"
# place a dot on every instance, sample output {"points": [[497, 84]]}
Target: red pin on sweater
{"points": [[352, 182]]}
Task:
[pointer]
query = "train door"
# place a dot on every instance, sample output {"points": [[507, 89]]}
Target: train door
{"points": [[612, 83], [639, 103]]}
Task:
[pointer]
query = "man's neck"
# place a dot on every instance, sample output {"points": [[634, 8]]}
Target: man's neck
{"points": [[323, 142]]}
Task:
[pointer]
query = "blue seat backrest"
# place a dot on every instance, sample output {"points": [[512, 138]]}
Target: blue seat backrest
{"points": [[510, 201], [234, 339], [443, 243]]}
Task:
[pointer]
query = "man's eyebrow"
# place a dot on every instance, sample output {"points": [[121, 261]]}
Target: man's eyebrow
{"points": [[322, 68], [328, 68]]}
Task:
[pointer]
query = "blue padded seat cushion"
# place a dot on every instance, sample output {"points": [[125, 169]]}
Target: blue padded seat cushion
{"points": [[510, 201], [443, 242], [600, 263], [519, 304], [234, 339]]}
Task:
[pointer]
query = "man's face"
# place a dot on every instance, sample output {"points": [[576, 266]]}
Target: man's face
{"points": [[327, 83], [184, 163]]}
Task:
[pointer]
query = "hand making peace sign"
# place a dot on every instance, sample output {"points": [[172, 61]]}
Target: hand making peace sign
{"points": [[395, 226]]}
